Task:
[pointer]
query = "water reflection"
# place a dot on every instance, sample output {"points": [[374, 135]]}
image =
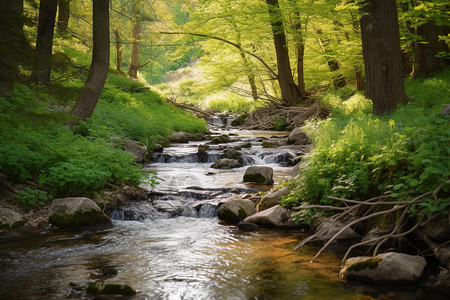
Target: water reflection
{"points": [[181, 258]]}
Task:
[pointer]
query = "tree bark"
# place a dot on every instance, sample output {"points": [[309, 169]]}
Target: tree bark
{"points": [[382, 55], [135, 49], [300, 47], [11, 39], [119, 49], [426, 50], [44, 41], [290, 92], [89, 95], [63, 16]]}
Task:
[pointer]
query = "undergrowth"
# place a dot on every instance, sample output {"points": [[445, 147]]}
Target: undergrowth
{"points": [[36, 145], [358, 155]]}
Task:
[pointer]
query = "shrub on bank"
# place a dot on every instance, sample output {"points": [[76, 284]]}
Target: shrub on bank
{"points": [[358, 155]]}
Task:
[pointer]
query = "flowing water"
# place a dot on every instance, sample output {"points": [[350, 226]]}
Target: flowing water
{"points": [[174, 247]]}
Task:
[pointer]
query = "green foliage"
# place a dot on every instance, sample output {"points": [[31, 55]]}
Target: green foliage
{"points": [[35, 144], [358, 155], [30, 197]]}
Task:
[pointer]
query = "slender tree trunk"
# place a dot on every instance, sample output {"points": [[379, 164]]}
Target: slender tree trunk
{"points": [[333, 64], [426, 50], [11, 39], [63, 15], [119, 50], [382, 56], [89, 95], [135, 49], [359, 81], [290, 92], [300, 47], [44, 41], [247, 68]]}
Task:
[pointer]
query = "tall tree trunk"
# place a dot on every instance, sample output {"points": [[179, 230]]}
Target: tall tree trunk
{"points": [[426, 50], [63, 15], [44, 41], [382, 55], [333, 64], [290, 92], [135, 49], [247, 67], [300, 47], [119, 49], [11, 39], [89, 95]]}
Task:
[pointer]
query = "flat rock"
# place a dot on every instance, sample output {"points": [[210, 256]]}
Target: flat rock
{"points": [[273, 198], [77, 212], [178, 137], [329, 228], [275, 216], [235, 210], [388, 267], [10, 218], [227, 163]]}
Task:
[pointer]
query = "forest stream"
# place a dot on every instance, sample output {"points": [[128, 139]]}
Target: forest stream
{"points": [[173, 246]]}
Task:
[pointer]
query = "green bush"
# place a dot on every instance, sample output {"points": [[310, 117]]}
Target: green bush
{"points": [[358, 155]]}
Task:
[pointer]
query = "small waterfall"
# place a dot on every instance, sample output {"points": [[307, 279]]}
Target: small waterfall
{"points": [[187, 158], [138, 212], [207, 211]]}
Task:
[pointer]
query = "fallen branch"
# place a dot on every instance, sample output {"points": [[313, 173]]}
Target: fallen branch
{"points": [[187, 107], [372, 204]]}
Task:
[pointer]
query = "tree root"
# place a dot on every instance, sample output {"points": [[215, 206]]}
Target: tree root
{"points": [[374, 204]]}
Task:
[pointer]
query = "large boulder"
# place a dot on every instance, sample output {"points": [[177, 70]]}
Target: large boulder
{"points": [[259, 175], [327, 228], [178, 137], [388, 267], [10, 218], [235, 210], [438, 229], [273, 199], [227, 163], [445, 110], [298, 137], [139, 150], [77, 212], [194, 136], [275, 216]]}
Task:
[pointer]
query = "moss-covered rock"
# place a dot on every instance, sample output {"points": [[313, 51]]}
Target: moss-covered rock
{"points": [[388, 267], [77, 212], [235, 210], [10, 218], [239, 120], [259, 175]]}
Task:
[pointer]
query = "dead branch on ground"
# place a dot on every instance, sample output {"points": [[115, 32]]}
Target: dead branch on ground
{"points": [[376, 204]]}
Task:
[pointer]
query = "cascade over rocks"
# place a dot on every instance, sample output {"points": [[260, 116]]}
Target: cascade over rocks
{"points": [[388, 267], [273, 198], [235, 210], [10, 218], [76, 212], [259, 175]]}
